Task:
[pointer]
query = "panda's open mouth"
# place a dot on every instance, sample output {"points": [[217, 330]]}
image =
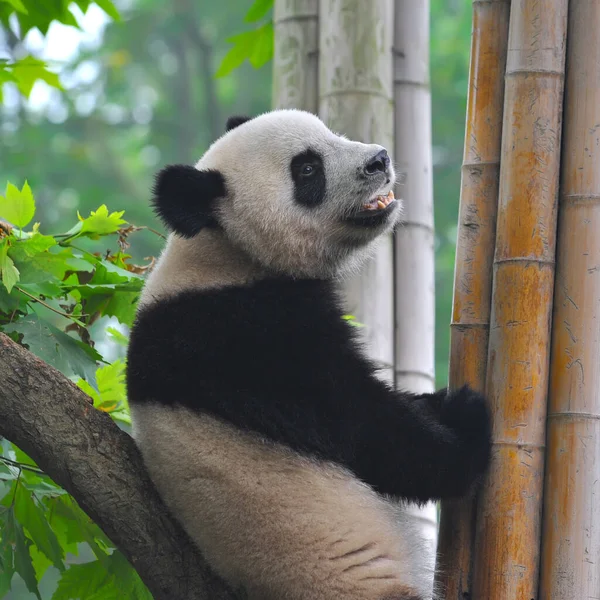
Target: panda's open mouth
{"points": [[379, 202], [375, 211]]}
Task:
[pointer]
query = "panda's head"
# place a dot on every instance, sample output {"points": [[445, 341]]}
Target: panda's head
{"points": [[293, 196]]}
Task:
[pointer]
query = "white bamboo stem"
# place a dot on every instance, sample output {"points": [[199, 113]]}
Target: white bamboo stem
{"points": [[414, 240], [295, 58]]}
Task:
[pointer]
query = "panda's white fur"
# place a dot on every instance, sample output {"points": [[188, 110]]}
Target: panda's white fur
{"points": [[269, 520], [279, 523]]}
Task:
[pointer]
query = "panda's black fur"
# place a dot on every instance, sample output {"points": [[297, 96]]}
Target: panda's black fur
{"points": [[273, 357], [187, 216], [276, 357]]}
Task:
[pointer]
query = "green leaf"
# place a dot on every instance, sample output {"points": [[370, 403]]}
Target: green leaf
{"points": [[47, 266], [19, 7], [256, 45], [7, 561], [262, 51], [33, 519], [17, 207], [117, 337], [99, 223], [114, 580], [40, 562], [77, 527], [112, 292], [111, 396], [28, 70], [68, 355], [8, 272], [124, 582], [258, 10], [41, 484], [84, 386], [13, 534], [243, 44], [8, 472], [109, 8], [35, 244], [81, 582], [64, 524], [10, 303], [111, 382], [76, 263]]}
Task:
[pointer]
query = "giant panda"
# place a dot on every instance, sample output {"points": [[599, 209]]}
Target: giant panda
{"points": [[262, 423]]}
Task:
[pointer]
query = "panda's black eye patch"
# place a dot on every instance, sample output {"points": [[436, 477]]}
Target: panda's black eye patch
{"points": [[308, 174]]}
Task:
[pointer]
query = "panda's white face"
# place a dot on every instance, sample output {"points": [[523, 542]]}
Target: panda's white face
{"points": [[292, 195], [299, 198]]}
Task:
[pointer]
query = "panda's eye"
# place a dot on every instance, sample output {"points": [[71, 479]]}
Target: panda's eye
{"points": [[307, 169]]}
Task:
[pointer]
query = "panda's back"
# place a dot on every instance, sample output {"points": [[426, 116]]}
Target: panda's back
{"points": [[264, 514]]}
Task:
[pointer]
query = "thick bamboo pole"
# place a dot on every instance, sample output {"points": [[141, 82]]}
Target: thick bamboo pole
{"points": [[474, 258], [571, 530], [506, 558], [414, 257], [296, 54], [355, 98]]}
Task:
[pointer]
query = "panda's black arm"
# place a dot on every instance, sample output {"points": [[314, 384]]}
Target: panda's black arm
{"points": [[421, 447]]}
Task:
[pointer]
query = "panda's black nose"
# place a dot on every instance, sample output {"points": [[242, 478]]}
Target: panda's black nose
{"points": [[378, 164]]}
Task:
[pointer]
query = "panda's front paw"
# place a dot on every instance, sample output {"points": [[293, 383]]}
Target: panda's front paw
{"points": [[432, 403], [466, 413]]}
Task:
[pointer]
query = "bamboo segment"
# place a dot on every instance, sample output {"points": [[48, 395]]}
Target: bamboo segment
{"points": [[414, 239], [414, 258], [506, 558], [474, 259], [570, 567], [355, 88], [296, 53]]}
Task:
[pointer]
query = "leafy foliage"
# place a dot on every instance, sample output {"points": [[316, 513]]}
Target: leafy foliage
{"points": [[255, 45], [44, 527], [51, 295], [39, 14]]}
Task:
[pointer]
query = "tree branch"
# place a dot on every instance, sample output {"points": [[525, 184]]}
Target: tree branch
{"points": [[84, 451]]}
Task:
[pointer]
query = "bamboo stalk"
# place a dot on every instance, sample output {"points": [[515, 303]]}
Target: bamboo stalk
{"points": [[296, 54], [355, 89], [570, 567], [506, 560], [414, 258], [414, 241], [469, 332]]}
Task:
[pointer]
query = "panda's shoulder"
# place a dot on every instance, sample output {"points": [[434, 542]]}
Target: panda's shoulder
{"points": [[265, 307]]}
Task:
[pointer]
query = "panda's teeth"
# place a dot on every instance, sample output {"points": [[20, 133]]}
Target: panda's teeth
{"points": [[379, 202]]}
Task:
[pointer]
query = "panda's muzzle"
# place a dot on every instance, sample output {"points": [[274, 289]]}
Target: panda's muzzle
{"points": [[374, 212]]}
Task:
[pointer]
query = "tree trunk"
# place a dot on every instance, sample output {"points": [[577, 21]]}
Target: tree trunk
{"points": [[84, 451], [469, 331], [355, 97], [414, 256], [506, 560], [571, 527]]}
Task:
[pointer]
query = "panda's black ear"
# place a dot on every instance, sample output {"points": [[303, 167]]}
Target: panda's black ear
{"points": [[236, 121], [184, 198]]}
